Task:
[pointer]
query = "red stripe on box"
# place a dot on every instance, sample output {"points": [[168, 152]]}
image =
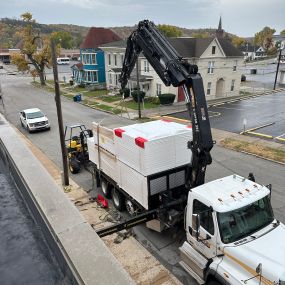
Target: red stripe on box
{"points": [[165, 120], [140, 141], [189, 126], [119, 132]]}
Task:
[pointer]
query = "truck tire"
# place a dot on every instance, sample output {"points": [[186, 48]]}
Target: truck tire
{"points": [[130, 207], [106, 188], [74, 166], [118, 200]]}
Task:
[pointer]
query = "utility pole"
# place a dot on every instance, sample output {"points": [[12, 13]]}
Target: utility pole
{"points": [[277, 69], [59, 114], [138, 86]]}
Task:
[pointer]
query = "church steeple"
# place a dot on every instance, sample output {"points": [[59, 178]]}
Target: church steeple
{"points": [[220, 24], [220, 31]]}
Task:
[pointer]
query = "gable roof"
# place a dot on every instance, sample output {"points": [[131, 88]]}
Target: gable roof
{"points": [[249, 48], [193, 47], [189, 47], [98, 36]]}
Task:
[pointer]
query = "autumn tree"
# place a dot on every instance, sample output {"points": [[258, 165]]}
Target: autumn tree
{"points": [[169, 31], [63, 38], [35, 49], [238, 41], [264, 38]]}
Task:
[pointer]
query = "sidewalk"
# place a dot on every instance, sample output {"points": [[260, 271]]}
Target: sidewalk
{"points": [[181, 106]]}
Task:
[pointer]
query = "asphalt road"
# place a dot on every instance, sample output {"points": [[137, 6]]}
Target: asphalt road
{"points": [[256, 112], [19, 94]]}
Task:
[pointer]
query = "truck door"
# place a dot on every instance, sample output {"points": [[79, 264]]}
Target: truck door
{"points": [[206, 243]]}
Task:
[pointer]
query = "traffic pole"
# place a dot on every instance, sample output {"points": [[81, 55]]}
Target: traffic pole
{"points": [[59, 114], [277, 69]]}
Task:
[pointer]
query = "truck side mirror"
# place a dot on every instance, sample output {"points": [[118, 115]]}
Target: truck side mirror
{"points": [[196, 225], [269, 186]]}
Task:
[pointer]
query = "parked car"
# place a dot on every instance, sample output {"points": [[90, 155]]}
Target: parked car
{"points": [[34, 119], [1, 66]]}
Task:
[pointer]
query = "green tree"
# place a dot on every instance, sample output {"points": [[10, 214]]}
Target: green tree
{"points": [[264, 38], [282, 32], [201, 35], [35, 49], [238, 41], [63, 38], [169, 31]]}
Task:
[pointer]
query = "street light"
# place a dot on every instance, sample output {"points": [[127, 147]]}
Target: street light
{"points": [[281, 47]]}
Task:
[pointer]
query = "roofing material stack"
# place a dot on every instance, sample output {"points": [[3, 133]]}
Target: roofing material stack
{"points": [[130, 154]]}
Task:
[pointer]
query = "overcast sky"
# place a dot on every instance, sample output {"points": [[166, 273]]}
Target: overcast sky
{"points": [[240, 17]]}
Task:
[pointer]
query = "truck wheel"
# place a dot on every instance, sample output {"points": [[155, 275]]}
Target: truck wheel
{"points": [[106, 189], [130, 206], [74, 166], [118, 200]]}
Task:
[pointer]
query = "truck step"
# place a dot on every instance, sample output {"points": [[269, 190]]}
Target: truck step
{"points": [[192, 273], [192, 259]]}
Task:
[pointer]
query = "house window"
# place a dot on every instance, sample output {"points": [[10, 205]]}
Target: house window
{"points": [[109, 59], [116, 79], [211, 67], [93, 58], [213, 49], [233, 85], [90, 75], [146, 66], [158, 89], [206, 218], [110, 78], [89, 58], [235, 65], [115, 59], [209, 88]]}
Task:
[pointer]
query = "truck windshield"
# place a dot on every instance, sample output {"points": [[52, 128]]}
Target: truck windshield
{"points": [[35, 115], [245, 221]]}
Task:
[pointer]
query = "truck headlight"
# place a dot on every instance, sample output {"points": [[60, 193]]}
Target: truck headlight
{"points": [[31, 125], [281, 282]]}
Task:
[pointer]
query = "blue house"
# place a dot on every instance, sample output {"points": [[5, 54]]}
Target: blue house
{"points": [[91, 69]]}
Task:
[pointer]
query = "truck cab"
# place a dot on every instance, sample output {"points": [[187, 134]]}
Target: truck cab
{"points": [[232, 235]]}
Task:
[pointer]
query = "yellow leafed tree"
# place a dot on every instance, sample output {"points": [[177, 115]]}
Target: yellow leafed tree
{"points": [[35, 49]]}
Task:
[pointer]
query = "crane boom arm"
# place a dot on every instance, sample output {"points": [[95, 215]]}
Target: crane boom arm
{"points": [[173, 70]]}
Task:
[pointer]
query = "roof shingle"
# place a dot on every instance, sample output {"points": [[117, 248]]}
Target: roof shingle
{"points": [[99, 36]]}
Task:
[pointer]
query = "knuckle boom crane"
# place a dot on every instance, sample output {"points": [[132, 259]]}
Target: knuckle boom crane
{"points": [[174, 70]]}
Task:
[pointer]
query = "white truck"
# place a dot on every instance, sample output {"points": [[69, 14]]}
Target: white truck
{"points": [[232, 236]]}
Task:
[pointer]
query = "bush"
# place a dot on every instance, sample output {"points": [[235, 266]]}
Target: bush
{"points": [[166, 98], [126, 92], [135, 94]]}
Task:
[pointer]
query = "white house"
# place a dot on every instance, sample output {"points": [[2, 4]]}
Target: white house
{"points": [[251, 52], [218, 61]]}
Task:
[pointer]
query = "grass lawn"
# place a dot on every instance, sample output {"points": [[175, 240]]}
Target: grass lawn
{"points": [[110, 99], [255, 148], [146, 105]]}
